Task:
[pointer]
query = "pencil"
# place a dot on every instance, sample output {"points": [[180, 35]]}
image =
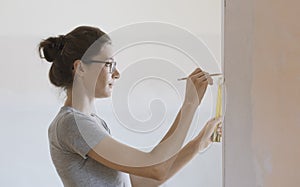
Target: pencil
{"points": [[214, 74]]}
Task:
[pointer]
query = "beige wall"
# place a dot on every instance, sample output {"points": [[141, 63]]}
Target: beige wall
{"points": [[262, 72]]}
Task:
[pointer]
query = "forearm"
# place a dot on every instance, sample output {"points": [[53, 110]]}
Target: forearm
{"points": [[173, 140], [176, 121], [178, 161], [173, 127], [171, 166], [182, 158]]}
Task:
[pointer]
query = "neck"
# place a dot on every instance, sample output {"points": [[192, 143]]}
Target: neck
{"points": [[81, 102]]}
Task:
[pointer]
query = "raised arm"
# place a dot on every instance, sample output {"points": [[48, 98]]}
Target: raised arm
{"points": [[124, 158], [174, 164], [177, 119], [196, 86], [140, 181], [160, 172]]}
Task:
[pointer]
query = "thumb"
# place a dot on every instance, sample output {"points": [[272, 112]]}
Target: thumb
{"points": [[212, 124]]}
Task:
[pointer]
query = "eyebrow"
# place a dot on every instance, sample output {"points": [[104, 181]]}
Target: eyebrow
{"points": [[111, 58]]}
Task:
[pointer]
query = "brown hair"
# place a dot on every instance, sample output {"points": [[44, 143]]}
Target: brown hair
{"points": [[64, 50]]}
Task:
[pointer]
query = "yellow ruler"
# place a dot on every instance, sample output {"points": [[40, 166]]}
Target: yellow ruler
{"points": [[216, 137]]}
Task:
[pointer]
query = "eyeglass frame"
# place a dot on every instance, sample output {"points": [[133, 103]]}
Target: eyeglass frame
{"points": [[112, 65]]}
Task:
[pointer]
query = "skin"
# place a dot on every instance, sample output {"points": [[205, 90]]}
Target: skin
{"points": [[90, 82], [168, 157]]}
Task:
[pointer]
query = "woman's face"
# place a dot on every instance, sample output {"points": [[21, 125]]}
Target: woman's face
{"points": [[98, 75]]}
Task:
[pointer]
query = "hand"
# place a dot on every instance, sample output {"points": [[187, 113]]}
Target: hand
{"points": [[196, 86], [204, 137]]}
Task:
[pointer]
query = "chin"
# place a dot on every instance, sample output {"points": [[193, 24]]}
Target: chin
{"points": [[103, 95]]}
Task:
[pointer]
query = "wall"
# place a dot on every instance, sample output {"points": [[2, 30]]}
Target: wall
{"points": [[262, 73]]}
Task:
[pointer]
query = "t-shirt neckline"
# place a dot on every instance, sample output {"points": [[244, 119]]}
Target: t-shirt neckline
{"points": [[73, 109]]}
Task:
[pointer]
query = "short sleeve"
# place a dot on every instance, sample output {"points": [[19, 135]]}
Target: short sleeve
{"points": [[79, 133]]}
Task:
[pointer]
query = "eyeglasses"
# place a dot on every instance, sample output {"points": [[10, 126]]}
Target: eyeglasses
{"points": [[111, 63]]}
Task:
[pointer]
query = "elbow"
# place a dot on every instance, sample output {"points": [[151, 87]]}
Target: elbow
{"points": [[161, 178], [159, 174]]}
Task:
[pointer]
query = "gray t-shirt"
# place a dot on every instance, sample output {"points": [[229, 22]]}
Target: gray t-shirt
{"points": [[71, 135]]}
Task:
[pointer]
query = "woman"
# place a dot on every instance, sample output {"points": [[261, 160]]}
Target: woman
{"points": [[82, 149]]}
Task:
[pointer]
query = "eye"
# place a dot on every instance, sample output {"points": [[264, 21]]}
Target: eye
{"points": [[108, 64]]}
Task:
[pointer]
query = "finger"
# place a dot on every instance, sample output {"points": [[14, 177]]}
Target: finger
{"points": [[220, 125], [202, 79], [197, 70], [216, 120], [211, 131], [207, 132], [220, 130], [209, 79], [198, 74], [213, 124]]}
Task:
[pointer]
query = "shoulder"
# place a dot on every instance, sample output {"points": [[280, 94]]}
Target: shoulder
{"points": [[72, 121], [74, 117], [79, 132]]}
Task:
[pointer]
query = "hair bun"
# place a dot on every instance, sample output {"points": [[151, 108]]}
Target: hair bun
{"points": [[52, 47]]}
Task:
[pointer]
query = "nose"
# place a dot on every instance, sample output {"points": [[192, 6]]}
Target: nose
{"points": [[115, 74]]}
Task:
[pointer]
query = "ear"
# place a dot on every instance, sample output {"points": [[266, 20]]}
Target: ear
{"points": [[78, 68]]}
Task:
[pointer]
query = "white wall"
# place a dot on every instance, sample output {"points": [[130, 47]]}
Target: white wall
{"points": [[262, 78], [29, 102]]}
